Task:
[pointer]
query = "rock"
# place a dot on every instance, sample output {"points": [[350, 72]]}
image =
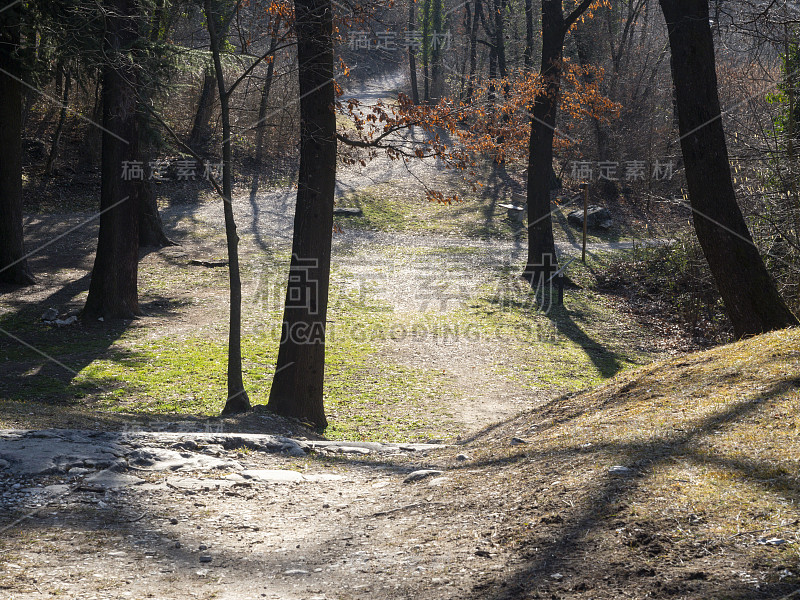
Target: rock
{"points": [[197, 485], [620, 470], [273, 475], [56, 489], [344, 211], [557, 576], [202, 547], [205, 558], [296, 572], [112, 481], [75, 471], [437, 481], [173, 521], [421, 474], [772, 541], [515, 441], [596, 216], [350, 450], [65, 322], [462, 457], [51, 314], [286, 476], [158, 459]]}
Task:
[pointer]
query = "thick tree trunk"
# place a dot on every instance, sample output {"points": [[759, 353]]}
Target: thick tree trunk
{"points": [[113, 292], [541, 246], [237, 400], [201, 128], [299, 372], [751, 298], [13, 266], [412, 55], [151, 227]]}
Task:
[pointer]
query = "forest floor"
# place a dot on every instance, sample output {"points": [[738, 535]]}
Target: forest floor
{"points": [[432, 338]]}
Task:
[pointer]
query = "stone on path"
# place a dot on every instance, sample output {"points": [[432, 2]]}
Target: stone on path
{"points": [[421, 474], [620, 470], [286, 476], [159, 459], [112, 481]]}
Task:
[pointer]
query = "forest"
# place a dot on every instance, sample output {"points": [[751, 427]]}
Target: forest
{"points": [[399, 298]]}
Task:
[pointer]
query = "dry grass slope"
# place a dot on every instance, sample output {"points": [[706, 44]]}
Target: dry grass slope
{"points": [[709, 509]]}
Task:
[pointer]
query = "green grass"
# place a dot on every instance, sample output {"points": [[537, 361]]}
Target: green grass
{"points": [[370, 392], [392, 207]]}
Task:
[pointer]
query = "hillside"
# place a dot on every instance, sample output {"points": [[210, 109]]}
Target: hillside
{"points": [[708, 508]]}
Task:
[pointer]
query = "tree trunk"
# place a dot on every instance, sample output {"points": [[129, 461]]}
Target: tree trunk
{"points": [[201, 129], [151, 227], [13, 266], [541, 246], [437, 85], [62, 117], [113, 292], [499, 37], [238, 400], [261, 125], [473, 51], [588, 40], [299, 372], [751, 298], [412, 58], [527, 55], [426, 49]]}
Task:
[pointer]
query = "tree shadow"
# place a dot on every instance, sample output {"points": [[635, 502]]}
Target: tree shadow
{"points": [[606, 361], [606, 492]]}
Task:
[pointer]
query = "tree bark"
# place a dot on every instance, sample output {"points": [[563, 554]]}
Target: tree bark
{"points": [[151, 227], [299, 373], [437, 85], [540, 154], [412, 58], [237, 400], [473, 51], [13, 266], [201, 128], [113, 292], [541, 246], [751, 299], [527, 55], [426, 49], [261, 125], [62, 117]]}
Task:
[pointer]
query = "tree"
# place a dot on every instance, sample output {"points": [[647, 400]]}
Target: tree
{"points": [[543, 124], [238, 400], [113, 291], [750, 296], [300, 368], [13, 266], [412, 56]]}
